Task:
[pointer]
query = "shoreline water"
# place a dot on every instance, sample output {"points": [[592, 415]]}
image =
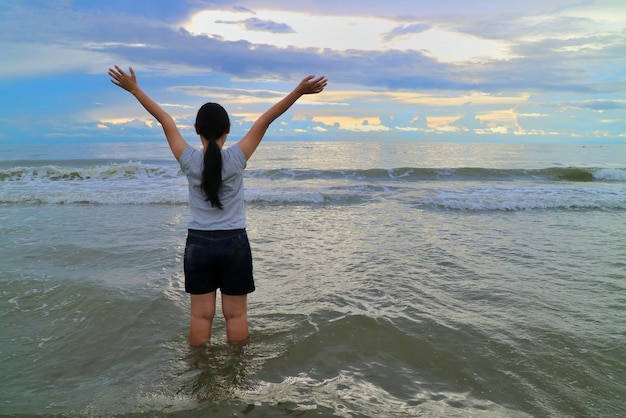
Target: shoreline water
{"points": [[379, 292]]}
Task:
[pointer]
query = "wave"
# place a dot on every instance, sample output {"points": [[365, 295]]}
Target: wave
{"points": [[443, 174], [136, 183], [548, 197], [107, 171], [110, 183], [139, 170]]}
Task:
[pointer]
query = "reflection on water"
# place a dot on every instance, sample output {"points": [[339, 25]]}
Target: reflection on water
{"points": [[215, 372], [350, 155]]}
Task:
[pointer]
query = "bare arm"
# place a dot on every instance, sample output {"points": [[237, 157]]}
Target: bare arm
{"points": [[129, 83], [309, 85]]}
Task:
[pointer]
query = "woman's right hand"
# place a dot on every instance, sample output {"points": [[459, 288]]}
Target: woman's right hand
{"points": [[126, 81]]}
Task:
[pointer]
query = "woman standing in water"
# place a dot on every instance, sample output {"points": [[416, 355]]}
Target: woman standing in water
{"points": [[217, 252]]}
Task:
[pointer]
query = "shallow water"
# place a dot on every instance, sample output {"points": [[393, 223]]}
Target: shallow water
{"points": [[378, 294]]}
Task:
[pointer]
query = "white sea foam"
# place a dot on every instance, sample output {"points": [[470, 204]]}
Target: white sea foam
{"points": [[614, 174], [458, 188], [521, 198]]}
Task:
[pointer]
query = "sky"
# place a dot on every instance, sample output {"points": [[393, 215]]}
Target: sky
{"points": [[445, 70]]}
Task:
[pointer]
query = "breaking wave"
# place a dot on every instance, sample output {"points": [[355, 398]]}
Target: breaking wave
{"points": [[465, 188]]}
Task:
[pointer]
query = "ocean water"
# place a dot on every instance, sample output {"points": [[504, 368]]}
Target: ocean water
{"points": [[393, 280]]}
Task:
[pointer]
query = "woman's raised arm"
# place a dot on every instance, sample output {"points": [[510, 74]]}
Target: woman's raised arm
{"points": [[309, 85], [129, 83]]}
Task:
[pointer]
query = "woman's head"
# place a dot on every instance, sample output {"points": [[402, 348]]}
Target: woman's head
{"points": [[212, 121]]}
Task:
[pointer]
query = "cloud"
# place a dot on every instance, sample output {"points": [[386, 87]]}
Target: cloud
{"points": [[354, 124], [518, 69], [260, 25], [342, 33], [399, 31], [233, 95], [421, 58], [26, 59], [600, 105]]}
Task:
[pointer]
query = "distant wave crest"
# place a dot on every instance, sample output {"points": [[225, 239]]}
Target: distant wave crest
{"points": [[526, 198], [137, 170], [443, 174], [465, 188]]}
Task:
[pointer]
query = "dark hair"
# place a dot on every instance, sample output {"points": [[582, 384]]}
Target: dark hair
{"points": [[212, 123]]}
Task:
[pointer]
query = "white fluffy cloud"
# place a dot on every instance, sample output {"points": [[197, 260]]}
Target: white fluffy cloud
{"points": [[339, 32]]}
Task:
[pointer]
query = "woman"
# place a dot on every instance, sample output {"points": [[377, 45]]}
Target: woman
{"points": [[217, 252]]}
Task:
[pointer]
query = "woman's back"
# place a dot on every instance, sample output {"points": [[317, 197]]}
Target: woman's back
{"points": [[204, 216]]}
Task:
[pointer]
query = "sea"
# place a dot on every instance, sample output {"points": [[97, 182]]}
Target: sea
{"points": [[394, 279]]}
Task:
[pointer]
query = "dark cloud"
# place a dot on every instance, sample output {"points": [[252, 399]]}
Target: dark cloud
{"points": [[406, 29], [404, 8], [392, 69], [553, 63], [227, 92], [267, 26], [241, 59], [260, 25], [242, 9], [600, 105]]}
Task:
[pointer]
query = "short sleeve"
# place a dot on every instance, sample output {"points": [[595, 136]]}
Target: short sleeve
{"points": [[237, 156], [186, 158]]}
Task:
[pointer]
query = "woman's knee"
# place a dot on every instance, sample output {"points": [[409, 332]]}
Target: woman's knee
{"points": [[234, 307], [203, 315], [203, 306]]}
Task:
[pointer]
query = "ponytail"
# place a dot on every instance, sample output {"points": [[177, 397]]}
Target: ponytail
{"points": [[212, 174], [212, 123]]}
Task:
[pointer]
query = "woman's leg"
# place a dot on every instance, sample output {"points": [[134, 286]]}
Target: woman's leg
{"points": [[235, 310], [202, 314]]}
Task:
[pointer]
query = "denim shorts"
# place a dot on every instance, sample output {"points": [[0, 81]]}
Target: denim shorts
{"points": [[218, 260]]}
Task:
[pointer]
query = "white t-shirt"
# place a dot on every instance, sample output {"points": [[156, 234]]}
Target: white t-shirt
{"points": [[203, 216]]}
